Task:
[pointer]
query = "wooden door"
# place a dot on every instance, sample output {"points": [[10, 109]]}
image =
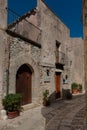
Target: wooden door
{"points": [[23, 85], [58, 78]]}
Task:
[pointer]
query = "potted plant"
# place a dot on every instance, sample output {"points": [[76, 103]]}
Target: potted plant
{"points": [[46, 99], [74, 87], [80, 88], [12, 104]]}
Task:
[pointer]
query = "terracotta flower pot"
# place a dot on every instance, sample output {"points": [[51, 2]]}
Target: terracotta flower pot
{"points": [[74, 91], [46, 102], [13, 114]]}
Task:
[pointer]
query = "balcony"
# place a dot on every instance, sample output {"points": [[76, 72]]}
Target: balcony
{"points": [[21, 27], [60, 59]]}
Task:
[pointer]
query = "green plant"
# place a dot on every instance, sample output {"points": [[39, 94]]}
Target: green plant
{"points": [[46, 94], [80, 87], [12, 102], [74, 85], [46, 99], [76, 88]]}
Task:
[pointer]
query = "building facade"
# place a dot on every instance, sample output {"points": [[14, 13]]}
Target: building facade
{"points": [[38, 54], [85, 46]]}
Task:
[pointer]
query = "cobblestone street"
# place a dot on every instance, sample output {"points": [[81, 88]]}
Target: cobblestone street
{"points": [[62, 115], [69, 115]]}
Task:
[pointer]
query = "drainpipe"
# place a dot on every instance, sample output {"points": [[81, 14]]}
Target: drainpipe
{"points": [[7, 71], [7, 74]]}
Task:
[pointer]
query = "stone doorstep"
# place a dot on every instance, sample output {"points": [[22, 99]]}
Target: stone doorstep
{"points": [[78, 94], [30, 106]]}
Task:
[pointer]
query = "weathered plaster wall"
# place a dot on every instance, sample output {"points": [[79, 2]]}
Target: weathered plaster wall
{"points": [[24, 53], [77, 60], [52, 29], [3, 42], [49, 30]]}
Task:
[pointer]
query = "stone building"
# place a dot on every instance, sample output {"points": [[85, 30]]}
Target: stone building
{"points": [[37, 53], [85, 47]]}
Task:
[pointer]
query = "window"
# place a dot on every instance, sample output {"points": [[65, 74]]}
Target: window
{"points": [[47, 76]]}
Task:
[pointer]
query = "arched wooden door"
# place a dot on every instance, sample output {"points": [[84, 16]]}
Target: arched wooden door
{"points": [[23, 83]]}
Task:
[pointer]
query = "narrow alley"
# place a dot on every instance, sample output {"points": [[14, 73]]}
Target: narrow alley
{"points": [[62, 115], [67, 116]]}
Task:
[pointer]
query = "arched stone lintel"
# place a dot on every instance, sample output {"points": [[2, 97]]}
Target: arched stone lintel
{"points": [[15, 65]]}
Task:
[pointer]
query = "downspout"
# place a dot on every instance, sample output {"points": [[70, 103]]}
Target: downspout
{"points": [[7, 70]]}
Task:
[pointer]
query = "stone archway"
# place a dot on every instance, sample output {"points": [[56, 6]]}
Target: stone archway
{"points": [[24, 83]]}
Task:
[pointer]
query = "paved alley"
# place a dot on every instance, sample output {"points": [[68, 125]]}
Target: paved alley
{"points": [[62, 115], [67, 116]]}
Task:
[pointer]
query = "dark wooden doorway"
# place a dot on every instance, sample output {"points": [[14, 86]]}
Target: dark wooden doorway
{"points": [[58, 78], [23, 83]]}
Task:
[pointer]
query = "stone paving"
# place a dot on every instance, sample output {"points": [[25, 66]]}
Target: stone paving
{"points": [[62, 115], [68, 116]]}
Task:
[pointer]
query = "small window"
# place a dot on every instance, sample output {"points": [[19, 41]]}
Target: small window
{"points": [[65, 80], [47, 72], [47, 76], [57, 44]]}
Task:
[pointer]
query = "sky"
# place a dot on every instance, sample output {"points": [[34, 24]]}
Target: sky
{"points": [[68, 11]]}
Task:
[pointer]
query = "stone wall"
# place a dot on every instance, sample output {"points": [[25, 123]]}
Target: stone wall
{"points": [[52, 30], [15, 52], [3, 43], [84, 9], [24, 53], [77, 61], [40, 60]]}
